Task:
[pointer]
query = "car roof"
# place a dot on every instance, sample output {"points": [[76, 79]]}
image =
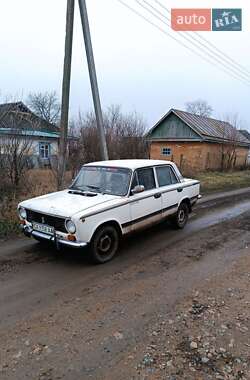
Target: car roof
{"points": [[131, 164]]}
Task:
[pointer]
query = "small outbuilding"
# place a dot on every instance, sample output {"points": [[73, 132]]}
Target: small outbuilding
{"points": [[197, 143]]}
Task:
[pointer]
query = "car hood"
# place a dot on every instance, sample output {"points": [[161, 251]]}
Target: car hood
{"points": [[66, 204]]}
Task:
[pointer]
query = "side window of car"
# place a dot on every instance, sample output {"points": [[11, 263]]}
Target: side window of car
{"points": [[146, 178], [165, 176]]}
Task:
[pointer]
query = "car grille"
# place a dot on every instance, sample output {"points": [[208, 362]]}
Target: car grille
{"points": [[53, 221]]}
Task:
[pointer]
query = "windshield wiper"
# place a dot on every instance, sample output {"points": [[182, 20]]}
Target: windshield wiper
{"points": [[75, 188], [82, 192], [93, 187]]}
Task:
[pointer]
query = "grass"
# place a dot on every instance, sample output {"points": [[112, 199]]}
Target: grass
{"points": [[222, 181], [37, 182], [8, 228]]}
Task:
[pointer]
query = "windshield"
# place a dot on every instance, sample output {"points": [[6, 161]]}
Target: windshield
{"points": [[105, 180]]}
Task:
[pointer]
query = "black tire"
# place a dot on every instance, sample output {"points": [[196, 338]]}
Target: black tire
{"points": [[104, 244], [181, 217]]}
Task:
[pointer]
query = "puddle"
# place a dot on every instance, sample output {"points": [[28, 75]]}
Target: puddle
{"points": [[215, 217]]}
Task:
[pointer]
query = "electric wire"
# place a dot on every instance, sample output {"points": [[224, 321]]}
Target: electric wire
{"points": [[219, 51], [197, 44], [178, 41], [235, 66]]}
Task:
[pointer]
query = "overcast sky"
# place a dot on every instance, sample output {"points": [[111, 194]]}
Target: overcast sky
{"points": [[138, 67]]}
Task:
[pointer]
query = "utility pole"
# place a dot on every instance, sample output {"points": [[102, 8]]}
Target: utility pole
{"points": [[93, 77], [65, 93]]}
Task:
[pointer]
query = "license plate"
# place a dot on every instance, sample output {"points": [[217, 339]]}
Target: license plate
{"points": [[42, 228]]}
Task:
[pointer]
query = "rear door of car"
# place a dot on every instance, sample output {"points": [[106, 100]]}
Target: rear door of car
{"points": [[170, 188], [145, 207]]}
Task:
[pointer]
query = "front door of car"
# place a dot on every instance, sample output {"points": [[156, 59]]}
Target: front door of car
{"points": [[145, 207], [170, 188]]}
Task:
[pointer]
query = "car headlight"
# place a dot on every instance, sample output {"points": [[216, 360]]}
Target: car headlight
{"points": [[70, 226], [22, 213]]}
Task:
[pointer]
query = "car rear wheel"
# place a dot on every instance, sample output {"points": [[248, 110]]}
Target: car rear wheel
{"points": [[104, 244], [181, 217]]}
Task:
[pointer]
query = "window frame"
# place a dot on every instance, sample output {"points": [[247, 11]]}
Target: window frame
{"points": [[104, 167], [44, 143], [135, 173], [173, 172], [165, 154]]}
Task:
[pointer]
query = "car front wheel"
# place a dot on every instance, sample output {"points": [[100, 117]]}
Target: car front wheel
{"points": [[181, 217], [104, 244]]}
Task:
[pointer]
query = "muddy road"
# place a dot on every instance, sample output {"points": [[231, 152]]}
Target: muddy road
{"points": [[62, 318]]}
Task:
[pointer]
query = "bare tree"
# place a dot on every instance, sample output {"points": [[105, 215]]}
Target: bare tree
{"points": [[231, 139], [124, 134], [15, 147], [45, 105], [199, 107]]}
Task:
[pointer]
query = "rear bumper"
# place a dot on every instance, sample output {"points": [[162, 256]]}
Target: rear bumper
{"points": [[195, 199], [28, 231]]}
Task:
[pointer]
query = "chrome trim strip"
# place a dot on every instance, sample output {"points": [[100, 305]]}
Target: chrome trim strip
{"points": [[42, 236], [142, 218], [73, 244], [157, 189]]}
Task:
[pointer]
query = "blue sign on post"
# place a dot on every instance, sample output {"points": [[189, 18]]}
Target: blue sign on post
{"points": [[227, 19]]}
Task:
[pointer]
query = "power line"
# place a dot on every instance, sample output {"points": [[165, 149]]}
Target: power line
{"points": [[235, 66], [225, 56], [179, 42], [197, 44]]}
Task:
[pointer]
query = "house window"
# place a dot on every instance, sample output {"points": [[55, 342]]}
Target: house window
{"points": [[44, 150], [166, 151]]}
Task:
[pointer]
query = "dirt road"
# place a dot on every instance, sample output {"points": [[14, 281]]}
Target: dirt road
{"points": [[61, 318]]}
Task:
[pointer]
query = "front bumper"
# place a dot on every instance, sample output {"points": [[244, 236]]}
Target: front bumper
{"points": [[57, 240]]}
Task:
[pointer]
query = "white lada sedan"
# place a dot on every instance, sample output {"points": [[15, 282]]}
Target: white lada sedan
{"points": [[107, 200]]}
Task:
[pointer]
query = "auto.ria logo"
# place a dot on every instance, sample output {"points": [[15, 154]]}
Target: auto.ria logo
{"points": [[227, 19], [201, 19]]}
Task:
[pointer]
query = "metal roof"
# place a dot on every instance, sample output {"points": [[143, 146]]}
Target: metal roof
{"points": [[245, 133], [31, 133], [208, 128], [19, 116], [17, 106]]}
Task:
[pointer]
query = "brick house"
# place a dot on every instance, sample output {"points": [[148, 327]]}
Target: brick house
{"points": [[247, 135], [197, 143]]}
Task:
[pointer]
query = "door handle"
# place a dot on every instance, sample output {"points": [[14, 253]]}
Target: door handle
{"points": [[180, 190], [157, 195]]}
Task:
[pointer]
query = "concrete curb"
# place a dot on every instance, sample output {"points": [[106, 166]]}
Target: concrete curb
{"points": [[224, 194]]}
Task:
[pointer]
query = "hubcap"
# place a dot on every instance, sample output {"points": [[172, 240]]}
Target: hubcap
{"points": [[182, 216], [105, 244]]}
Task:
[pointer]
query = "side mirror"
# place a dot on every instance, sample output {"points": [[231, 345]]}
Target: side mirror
{"points": [[138, 189]]}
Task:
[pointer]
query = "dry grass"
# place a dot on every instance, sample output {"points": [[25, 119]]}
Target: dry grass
{"points": [[37, 182], [223, 181]]}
